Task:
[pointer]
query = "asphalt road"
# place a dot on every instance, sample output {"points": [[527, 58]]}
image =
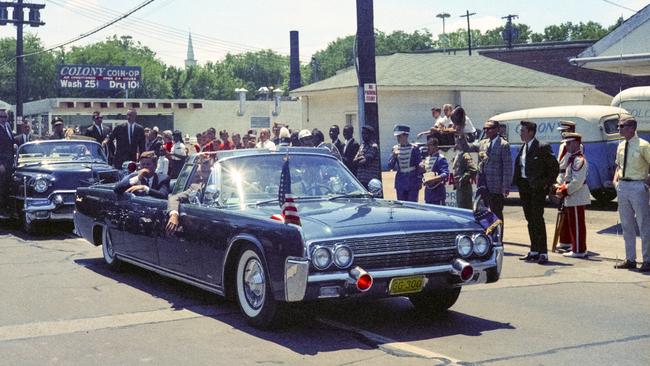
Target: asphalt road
{"points": [[62, 306]]}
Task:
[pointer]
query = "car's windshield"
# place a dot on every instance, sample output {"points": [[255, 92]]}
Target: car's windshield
{"points": [[55, 151], [254, 179]]}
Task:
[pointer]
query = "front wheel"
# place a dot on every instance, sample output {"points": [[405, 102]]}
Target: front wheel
{"points": [[435, 302], [254, 294], [109, 251]]}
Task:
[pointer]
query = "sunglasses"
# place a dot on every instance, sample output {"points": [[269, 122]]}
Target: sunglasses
{"points": [[489, 128], [623, 126]]}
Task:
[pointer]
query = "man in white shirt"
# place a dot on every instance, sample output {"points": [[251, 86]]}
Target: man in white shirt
{"points": [[265, 142]]}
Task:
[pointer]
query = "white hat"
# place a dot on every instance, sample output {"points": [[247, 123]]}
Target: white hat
{"points": [[304, 133]]}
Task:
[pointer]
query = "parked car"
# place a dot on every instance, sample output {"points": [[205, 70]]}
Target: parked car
{"points": [[236, 242], [47, 175]]}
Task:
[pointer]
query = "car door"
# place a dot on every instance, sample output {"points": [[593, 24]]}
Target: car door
{"points": [[143, 226]]}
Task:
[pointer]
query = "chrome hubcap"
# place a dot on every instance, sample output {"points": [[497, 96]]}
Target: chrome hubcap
{"points": [[254, 285], [109, 246]]}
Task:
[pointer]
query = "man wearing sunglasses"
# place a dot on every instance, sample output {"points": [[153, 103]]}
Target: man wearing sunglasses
{"points": [[631, 180]]}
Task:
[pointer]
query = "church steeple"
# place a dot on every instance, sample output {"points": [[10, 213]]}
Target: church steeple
{"points": [[190, 61]]}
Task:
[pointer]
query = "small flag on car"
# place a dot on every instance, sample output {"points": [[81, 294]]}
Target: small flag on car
{"points": [[287, 203]]}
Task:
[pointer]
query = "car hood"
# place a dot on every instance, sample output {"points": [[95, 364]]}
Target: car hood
{"points": [[357, 217], [71, 175]]}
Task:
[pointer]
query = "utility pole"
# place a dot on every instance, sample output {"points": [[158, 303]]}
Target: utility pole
{"points": [[469, 32], [366, 73], [444, 35], [510, 33], [18, 19]]}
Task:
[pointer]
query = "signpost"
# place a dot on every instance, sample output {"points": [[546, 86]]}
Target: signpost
{"points": [[98, 77]]}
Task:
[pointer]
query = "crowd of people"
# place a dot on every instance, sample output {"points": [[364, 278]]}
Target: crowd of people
{"points": [[535, 171]]}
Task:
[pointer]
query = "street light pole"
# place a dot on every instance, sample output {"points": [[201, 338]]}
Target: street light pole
{"points": [[444, 35], [469, 32]]}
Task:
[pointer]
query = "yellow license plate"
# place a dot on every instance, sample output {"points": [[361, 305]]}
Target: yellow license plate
{"points": [[406, 285]]}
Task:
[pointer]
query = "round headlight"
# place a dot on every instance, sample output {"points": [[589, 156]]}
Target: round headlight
{"points": [[464, 245], [322, 257], [342, 256], [481, 244], [40, 185]]}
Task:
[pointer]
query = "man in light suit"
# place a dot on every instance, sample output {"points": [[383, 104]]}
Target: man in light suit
{"points": [[494, 167], [145, 181], [130, 141]]}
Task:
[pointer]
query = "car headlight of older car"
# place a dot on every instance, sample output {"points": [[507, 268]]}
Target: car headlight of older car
{"points": [[342, 256], [481, 244], [41, 185], [464, 245], [321, 257]]}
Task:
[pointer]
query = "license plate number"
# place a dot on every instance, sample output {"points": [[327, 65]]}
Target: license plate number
{"points": [[406, 285]]}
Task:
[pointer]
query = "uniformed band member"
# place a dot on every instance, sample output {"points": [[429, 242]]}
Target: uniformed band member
{"points": [[436, 171], [562, 159], [631, 181], [573, 189], [406, 159]]}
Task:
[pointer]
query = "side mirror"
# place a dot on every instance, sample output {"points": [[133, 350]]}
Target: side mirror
{"points": [[374, 186], [211, 195]]}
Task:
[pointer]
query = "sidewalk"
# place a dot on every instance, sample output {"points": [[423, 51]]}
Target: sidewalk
{"points": [[604, 235]]}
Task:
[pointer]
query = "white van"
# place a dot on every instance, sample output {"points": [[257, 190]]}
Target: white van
{"points": [[596, 124], [637, 102]]}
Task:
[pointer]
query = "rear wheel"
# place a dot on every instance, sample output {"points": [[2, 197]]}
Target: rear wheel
{"points": [[109, 251], [253, 290], [435, 302]]}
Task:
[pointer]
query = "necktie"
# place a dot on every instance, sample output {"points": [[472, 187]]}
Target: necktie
{"points": [[625, 158], [130, 131], [101, 135]]}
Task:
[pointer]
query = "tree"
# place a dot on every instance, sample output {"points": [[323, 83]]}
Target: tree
{"points": [[39, 70]]}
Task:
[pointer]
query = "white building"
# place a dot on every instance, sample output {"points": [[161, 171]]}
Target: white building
{"points": [[188, 115], [409, 85]]}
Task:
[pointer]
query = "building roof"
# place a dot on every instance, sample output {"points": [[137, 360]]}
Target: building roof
{"points": [[637, 63], [447, 71]]}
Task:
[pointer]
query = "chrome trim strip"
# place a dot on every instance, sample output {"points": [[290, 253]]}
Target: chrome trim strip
{"points": [[405, 252], [296, 271], [171, 274], [389, 233], [401, 272]]}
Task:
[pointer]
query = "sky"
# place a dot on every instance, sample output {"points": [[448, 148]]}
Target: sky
{"points": [[224, 26]]}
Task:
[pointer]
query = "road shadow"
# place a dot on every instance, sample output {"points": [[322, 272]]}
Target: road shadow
{"points": [[617, 229], [44, 231], [304, 333]]}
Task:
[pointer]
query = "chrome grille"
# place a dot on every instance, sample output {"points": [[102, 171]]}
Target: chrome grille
{"points": [[412, 249]]}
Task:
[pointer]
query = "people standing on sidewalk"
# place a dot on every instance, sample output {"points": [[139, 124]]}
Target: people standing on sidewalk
{"points": [[494, 167], [562, 159], [367, 159], [436, 172], [572, 188], [631, 180], [405, 159], [535, 172], [463, 170]]}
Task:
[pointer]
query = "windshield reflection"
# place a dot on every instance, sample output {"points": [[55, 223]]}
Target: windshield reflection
{"points": [[256, 179], [57, 151]]}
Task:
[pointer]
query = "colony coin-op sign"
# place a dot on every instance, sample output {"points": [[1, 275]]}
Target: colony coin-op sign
{"points": [[98, 77]]}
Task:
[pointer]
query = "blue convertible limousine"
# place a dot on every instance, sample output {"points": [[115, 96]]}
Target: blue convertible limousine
{"points": [[337, 240]]}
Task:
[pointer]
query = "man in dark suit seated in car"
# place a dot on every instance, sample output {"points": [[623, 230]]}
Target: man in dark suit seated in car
{"points": [[199, 181], [145, 181]]}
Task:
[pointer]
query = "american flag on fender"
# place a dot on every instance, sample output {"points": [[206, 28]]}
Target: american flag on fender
{"points": [[287, 203]]}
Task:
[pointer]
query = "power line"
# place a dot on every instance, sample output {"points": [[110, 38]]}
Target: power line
{"points": [[620, 6], [84, 35]]}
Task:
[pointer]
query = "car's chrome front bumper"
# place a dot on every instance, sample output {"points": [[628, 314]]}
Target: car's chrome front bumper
{"points": [[297, 279]]}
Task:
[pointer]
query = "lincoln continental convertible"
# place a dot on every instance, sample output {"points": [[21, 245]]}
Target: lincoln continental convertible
{"points": [[270, 228]]}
